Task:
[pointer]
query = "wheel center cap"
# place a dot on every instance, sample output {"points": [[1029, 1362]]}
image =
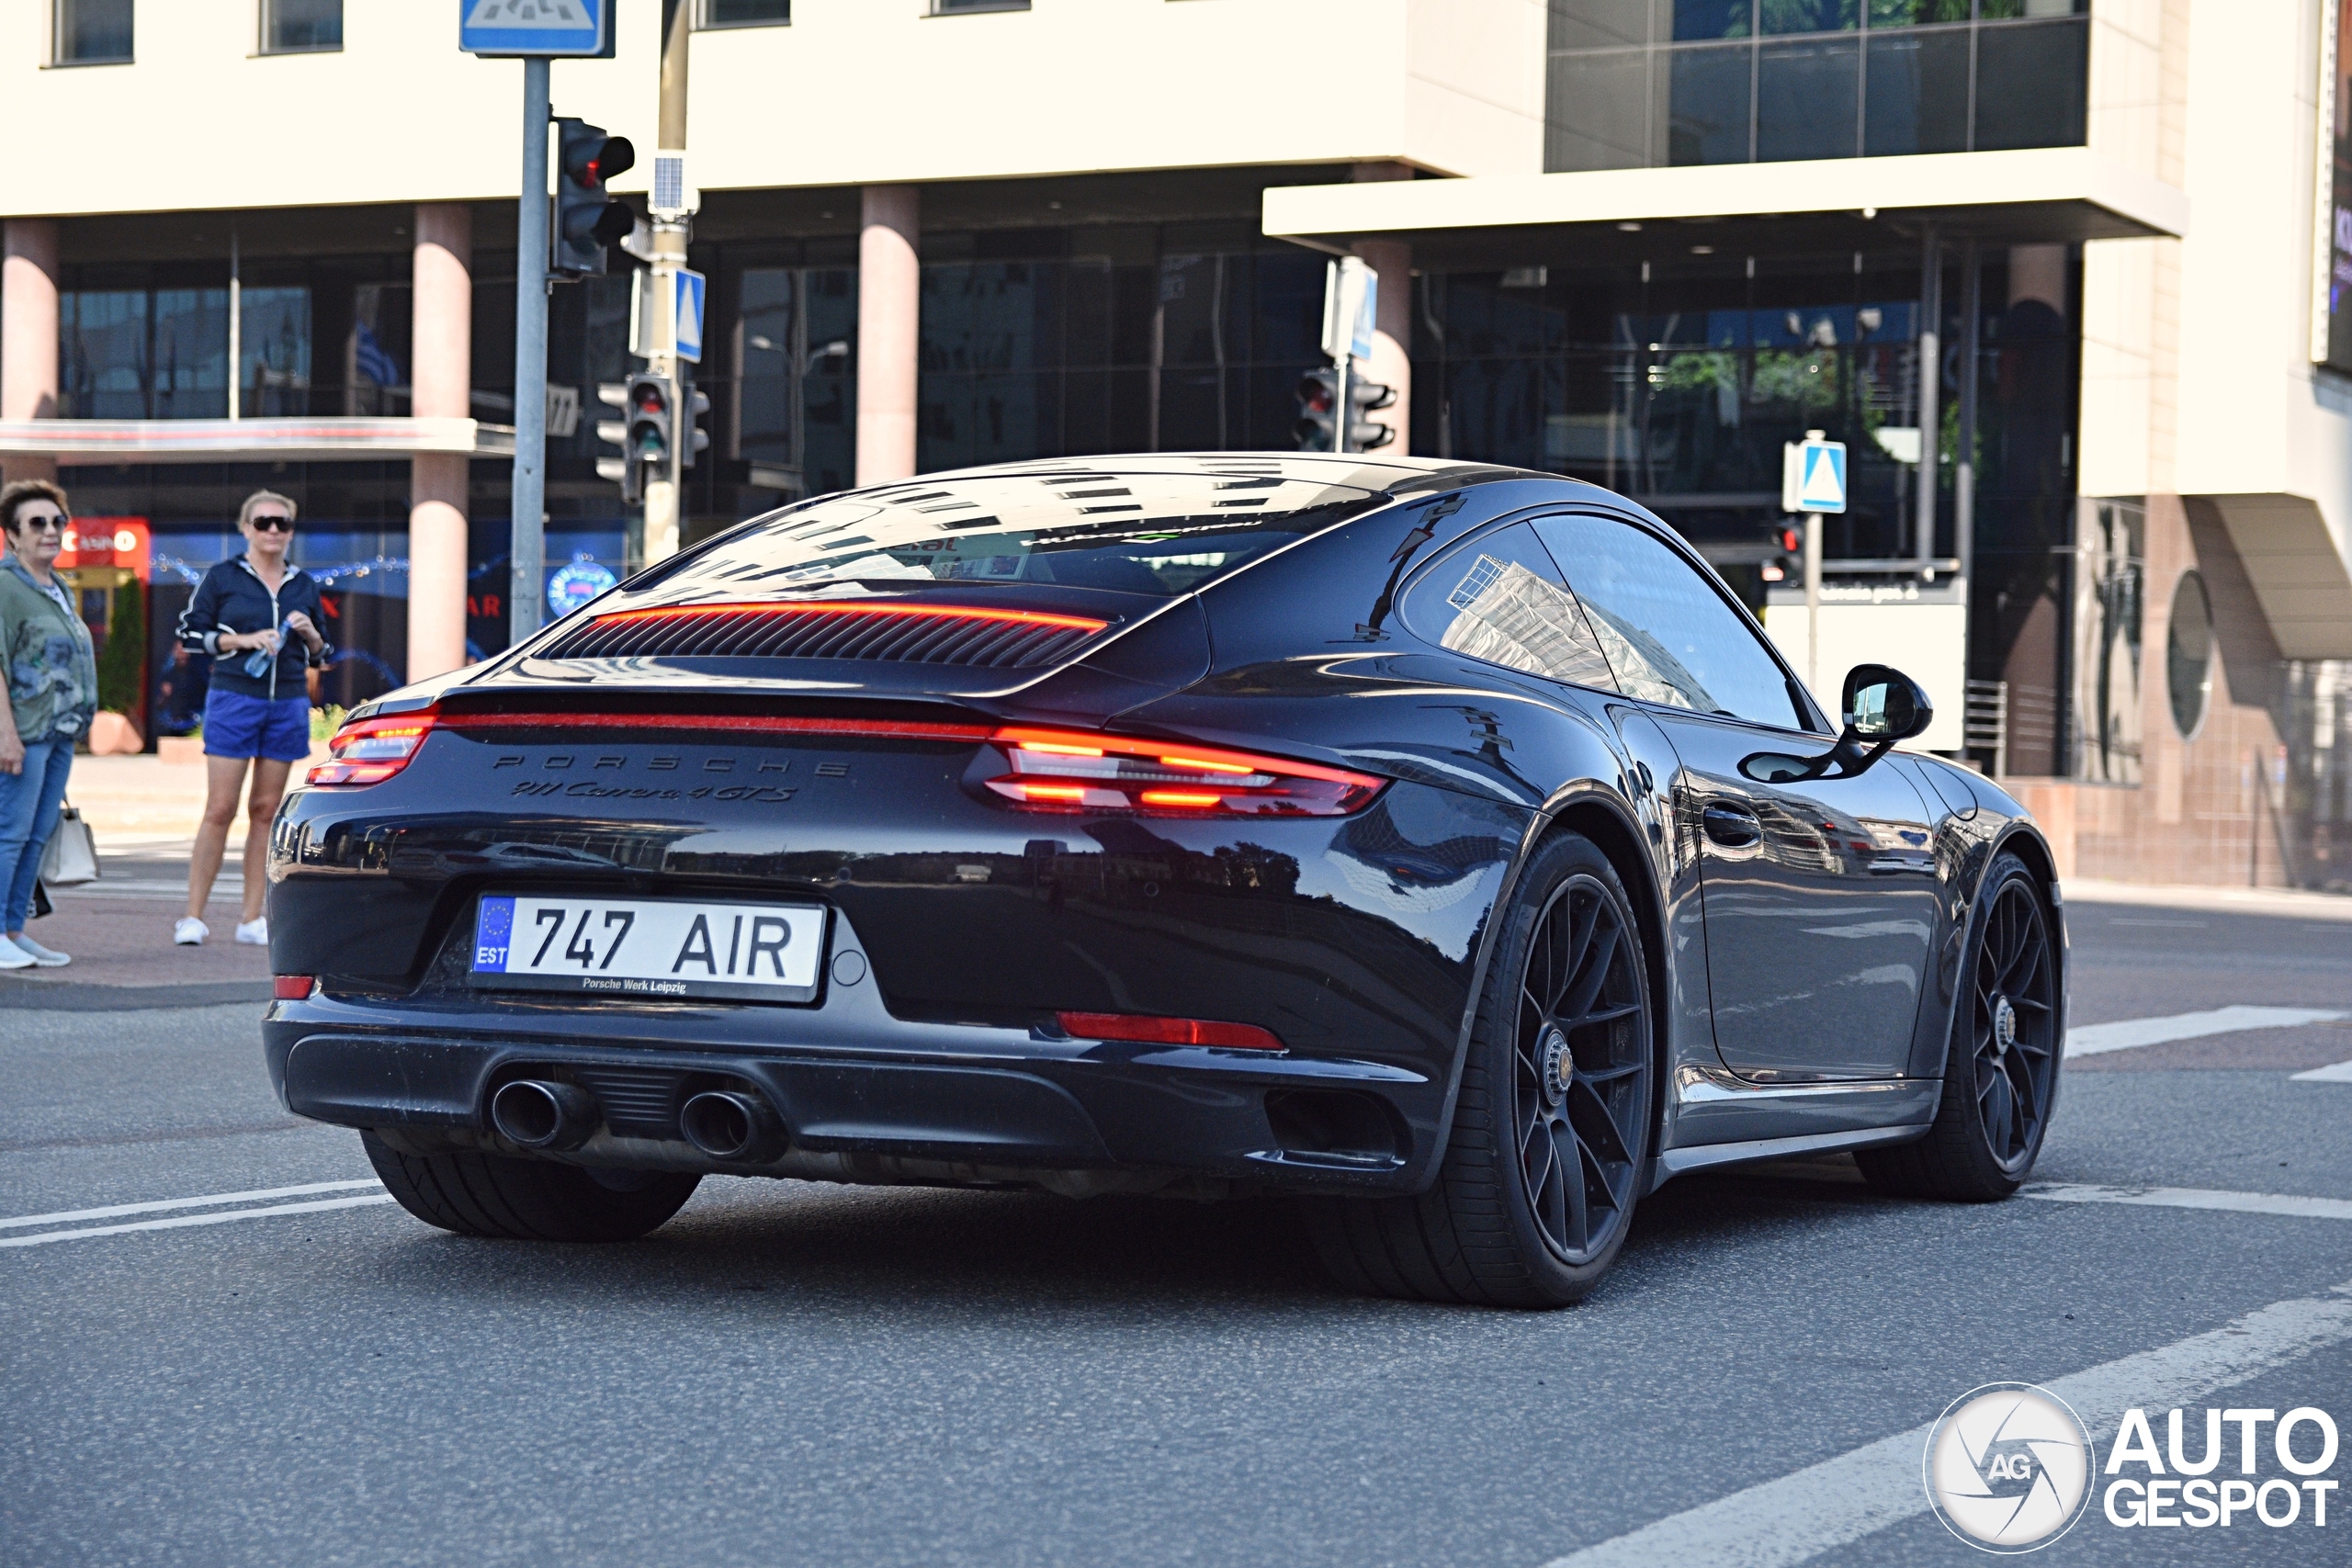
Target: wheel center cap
{"points": [[1556, 1064], [2004, 1025]]}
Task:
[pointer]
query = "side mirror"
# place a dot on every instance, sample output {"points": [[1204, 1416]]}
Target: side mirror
{"points": [[1880, 705], [1883, 704]]}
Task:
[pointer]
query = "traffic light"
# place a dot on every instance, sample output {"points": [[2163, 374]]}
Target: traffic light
{"points": [[586, 217], [1319, 400], [694, 438], [651, 445], [614, 394], [1363, 396]]}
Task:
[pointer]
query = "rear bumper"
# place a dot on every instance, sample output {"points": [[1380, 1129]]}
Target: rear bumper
{"points": [[866, 1096]]}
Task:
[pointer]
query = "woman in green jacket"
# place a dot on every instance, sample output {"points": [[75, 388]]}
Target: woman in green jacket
{"points": [[52, 677]]}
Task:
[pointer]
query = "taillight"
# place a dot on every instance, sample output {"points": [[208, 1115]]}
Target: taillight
{"points": [[1168, 1031], [1055, 770], [371, 750]]}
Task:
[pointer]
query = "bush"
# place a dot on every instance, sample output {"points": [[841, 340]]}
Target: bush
{"points": [[122, 666]]}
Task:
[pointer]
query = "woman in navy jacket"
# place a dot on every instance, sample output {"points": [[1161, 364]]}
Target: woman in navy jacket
{"points": [[258, 616]]}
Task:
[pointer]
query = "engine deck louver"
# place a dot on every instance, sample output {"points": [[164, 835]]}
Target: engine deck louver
{"points": [[902, 632]]}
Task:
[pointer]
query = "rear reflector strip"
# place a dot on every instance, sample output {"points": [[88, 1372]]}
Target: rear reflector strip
{"points": [[1045, 769], [1168, 1031], [294, 987]]}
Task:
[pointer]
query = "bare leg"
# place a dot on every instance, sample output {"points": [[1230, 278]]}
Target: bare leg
{"points": [[224, 780], [269, 788]]}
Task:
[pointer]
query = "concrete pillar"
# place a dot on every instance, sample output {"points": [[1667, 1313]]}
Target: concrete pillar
{"points": [[2039, 272], [441, 387], [28, 333], [1392, 339], [890, 317]]}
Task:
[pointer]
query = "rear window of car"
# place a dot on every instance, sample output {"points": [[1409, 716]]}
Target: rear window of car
{"points": [[1156, 533]]}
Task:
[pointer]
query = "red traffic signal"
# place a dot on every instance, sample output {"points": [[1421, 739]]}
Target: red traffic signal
{"points": [[586, 218]]}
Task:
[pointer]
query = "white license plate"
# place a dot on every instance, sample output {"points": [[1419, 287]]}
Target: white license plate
{"points": [[649, 948]]}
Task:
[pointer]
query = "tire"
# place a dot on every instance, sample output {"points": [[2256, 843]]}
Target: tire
{"points": [[1998, 1092], [1545, 1084], [527, 1200]]}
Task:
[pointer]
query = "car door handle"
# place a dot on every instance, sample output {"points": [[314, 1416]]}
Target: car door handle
{"points": [[1734, 827]]}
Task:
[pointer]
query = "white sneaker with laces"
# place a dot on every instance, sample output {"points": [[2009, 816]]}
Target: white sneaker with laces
{"points": [[47, 957], [253, 932], [15, 958], [190, 933]]}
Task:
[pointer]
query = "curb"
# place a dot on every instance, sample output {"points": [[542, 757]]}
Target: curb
{"points": [[45, 996]]}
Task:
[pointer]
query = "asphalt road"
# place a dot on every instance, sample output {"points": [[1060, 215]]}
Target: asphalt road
{"points": [[793, 1373]]}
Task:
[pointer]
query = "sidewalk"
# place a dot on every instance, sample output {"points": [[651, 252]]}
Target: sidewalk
{"points": [[118, 929]]}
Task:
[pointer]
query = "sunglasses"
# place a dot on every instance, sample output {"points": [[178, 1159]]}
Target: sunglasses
{"points": [[273, 523], [45, 525]]}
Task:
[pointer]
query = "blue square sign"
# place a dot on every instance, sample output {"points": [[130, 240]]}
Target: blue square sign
{"points": [[689, 316], [572, 29]]}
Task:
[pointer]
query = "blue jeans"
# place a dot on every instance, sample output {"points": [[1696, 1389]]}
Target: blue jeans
{"points": [[29, 803]]}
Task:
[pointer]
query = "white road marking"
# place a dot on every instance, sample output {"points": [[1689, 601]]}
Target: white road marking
{"points": [[180, 1220], [2093, 1039], [2193, 1198], [2339, 1072], [1865, 1489], [117, 1210]]}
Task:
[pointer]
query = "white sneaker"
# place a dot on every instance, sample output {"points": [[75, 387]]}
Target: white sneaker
{"points": [[189, 932], [253, 932], [47, 957], [15, 958]]}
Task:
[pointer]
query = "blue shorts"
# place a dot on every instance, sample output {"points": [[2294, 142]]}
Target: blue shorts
{"points": [[242, 726]]}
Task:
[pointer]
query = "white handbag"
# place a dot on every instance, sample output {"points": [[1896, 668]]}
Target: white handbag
{"points": [[72, 856]]}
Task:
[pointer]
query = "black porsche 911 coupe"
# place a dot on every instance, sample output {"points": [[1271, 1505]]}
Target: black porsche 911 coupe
{"points": [[1441, 844]]}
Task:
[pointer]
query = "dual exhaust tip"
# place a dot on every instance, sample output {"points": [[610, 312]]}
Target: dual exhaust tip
{"points": [[725, 1124]]}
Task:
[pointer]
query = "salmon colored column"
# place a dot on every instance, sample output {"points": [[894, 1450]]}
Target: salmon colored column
{"points": [[441, 387], [1391, 364], [28, 333], [889, 317]]}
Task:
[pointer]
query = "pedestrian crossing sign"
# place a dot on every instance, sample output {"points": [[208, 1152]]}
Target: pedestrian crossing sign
{"points": [[1812, 475]]}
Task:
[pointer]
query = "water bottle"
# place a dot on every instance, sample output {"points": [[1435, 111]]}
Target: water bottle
{"points": [[258, 664]]}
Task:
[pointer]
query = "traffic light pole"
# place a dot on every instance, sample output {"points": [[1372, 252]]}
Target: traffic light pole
{"points": [[525, 612], [662, 487]]}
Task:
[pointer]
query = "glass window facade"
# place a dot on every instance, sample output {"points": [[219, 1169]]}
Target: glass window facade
{"points": [[322, 337], [90, 32], [1645, 83], [742, 13], [302, 27]]}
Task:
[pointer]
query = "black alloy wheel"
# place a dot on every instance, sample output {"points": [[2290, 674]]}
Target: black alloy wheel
{"points": [[2011, 1025], [2001, 1071], [1581, 1084], [1552, 1123]]}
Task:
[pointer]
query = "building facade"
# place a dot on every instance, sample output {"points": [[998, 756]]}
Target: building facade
{"points": [[2072, 279]]}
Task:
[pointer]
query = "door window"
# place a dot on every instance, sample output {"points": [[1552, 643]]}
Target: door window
{"points": [[1498, 599], [1670, 635]]}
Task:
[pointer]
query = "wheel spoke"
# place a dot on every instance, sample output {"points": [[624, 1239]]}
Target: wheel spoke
{"points": [[1596, 1122], [1573, 958], [1605, 1075], [1606, 1015], [2021, 1091], [1575, 1233], [2029, 1002], [1603, 952], [2003, 1123]]}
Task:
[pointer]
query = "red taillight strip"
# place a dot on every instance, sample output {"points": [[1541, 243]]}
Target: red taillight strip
{"points": [[1179, 754], [1170, 1030], [841, 607], [899, 729]]}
